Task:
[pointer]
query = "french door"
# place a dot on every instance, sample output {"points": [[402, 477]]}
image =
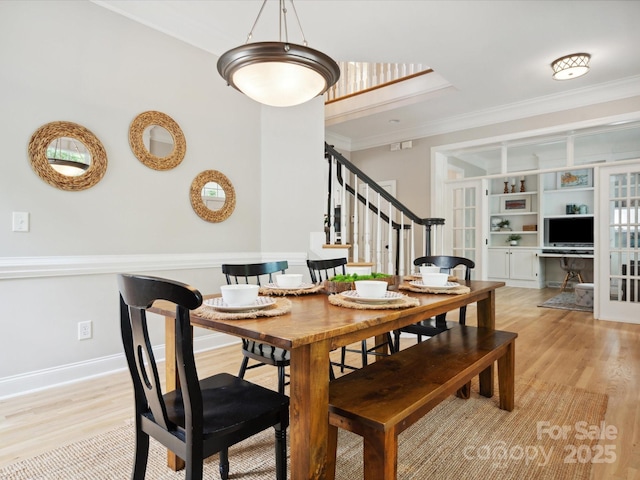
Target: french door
{"points": [[619, 244], [463, 221]]}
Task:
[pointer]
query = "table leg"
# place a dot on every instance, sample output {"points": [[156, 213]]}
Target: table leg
{"points": [[487, 319], [309, 426], [174, 462]]}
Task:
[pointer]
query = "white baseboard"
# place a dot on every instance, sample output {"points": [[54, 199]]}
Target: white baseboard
{"points": [[71, 373]]}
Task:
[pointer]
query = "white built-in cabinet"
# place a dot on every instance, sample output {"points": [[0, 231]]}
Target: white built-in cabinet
{"points": [[520, 266]]}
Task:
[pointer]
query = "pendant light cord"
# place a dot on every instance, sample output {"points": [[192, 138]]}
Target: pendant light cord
{"points": [[282, 19]]}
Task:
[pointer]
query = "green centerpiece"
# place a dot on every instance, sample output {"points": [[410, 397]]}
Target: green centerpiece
{"points": [[340, 283]]}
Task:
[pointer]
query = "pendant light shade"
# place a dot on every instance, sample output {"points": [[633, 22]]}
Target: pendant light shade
{"points": [[571, 66], [279, 74]]}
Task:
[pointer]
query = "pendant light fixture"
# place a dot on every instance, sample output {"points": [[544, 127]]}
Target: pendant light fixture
{"points": [[279, 74], [571, 66]]}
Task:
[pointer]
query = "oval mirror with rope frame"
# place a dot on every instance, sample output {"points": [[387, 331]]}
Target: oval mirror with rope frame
{"points": [[196, 194], [48, 138], [142, 152]]}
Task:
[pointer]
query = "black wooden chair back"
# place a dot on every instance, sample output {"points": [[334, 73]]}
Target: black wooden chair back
{"points": [[261, 352], [447, 263], [251, 272], [431, 327], [320, 270], [202, 417]]}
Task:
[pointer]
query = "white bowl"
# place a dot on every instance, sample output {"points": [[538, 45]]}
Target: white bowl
{"points": [[425, 269], [434, 279], [358, 270], [371, 288], [240, 295], [289, 280]]}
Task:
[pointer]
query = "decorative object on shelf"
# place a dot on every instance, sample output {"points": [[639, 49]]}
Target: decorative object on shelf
{"points": [[503, 225], [583, 210], [513, 239], [522, 185], [530, 228], [280, 74], [197, 203], [513, 185], [506, 186], [495, 224], [139, 129], [574, 179], [570, 66], [41, 142], [573, 209], [516, 204]]}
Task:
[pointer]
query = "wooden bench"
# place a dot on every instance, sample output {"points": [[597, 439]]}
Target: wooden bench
{"points": [[383, 399]]}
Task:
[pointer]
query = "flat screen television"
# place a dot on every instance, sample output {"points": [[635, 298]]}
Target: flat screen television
{"points": [[569, 232]]}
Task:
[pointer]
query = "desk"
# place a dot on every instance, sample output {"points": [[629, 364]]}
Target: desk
{"points": [[314, 328]]}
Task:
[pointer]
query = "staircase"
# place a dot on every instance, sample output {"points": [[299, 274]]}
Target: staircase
{"points": [[369, 226]]}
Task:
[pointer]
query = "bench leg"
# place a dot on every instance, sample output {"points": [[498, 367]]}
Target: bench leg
{"points": [[332, 447], [380, 455], [506, 378]]}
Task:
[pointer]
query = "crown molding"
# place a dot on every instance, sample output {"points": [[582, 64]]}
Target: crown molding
{"points": [[582, 97]]}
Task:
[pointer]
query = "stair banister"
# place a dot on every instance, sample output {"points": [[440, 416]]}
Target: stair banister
{"points": [[408, 219]]}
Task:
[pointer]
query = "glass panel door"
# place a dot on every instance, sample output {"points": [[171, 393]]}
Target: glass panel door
{"points": [[464, 226], [619, 276]]}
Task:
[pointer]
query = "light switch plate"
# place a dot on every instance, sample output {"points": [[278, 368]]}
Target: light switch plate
{"points": [[20, 221]]}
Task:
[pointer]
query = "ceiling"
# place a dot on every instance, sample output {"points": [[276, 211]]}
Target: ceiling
{"points": [[495, 55]]}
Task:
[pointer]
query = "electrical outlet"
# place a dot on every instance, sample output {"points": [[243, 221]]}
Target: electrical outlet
{"points": [[84, 330]]}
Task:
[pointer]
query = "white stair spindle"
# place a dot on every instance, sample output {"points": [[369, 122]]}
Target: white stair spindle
{"points": [[343, 208], [401, 246], [367, 226], [356, 204], [332, 213], [413, 249], [390, 248], [379, 238]]}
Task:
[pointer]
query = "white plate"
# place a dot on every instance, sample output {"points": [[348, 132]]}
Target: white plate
{"points": [[302, 286], [218, 304], [389, 297], [418, 283]]}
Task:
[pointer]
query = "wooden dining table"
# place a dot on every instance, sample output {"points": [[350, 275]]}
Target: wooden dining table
{"points": [[313, 328]]}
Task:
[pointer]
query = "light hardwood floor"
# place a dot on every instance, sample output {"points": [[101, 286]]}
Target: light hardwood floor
{"points": [[558, 346]]}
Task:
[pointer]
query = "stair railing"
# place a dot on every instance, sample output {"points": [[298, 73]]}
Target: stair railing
{"points": [[348, 226]]}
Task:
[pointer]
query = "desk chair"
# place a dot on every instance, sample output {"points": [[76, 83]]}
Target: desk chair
{"points": [[573, 266], [201, 417], [261, 352], [431, 327], [321, 270]]}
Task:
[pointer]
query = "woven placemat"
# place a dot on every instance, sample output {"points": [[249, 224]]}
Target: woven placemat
{"points": [[288, 291], [450, 291], [403, 302], [281, 307], [411, 278]]}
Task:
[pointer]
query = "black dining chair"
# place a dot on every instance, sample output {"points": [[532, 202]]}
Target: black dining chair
{"points": [[260, 352], [201, 417], [431, 326], [324, 269]]}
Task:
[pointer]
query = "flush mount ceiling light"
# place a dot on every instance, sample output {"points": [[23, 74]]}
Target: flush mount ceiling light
{"points": [[280, 74], [571, 66]]}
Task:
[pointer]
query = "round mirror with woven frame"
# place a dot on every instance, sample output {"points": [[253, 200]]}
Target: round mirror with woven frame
{"points": [[140, 150], [48, 134], [202, 179]]}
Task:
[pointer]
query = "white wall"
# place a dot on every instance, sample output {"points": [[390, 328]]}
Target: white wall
{"points": [[75, 61]]}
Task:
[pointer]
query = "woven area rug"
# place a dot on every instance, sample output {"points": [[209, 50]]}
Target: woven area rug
{"points": [[565, 301], [470, 439]]}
